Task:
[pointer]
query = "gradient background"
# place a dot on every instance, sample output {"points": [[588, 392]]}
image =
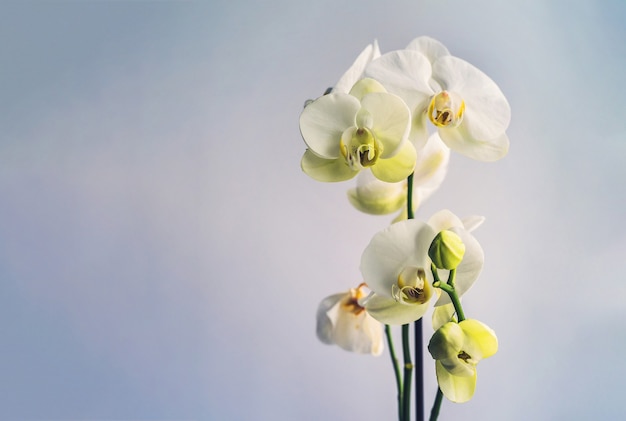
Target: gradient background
{"points": [[162, 255]]}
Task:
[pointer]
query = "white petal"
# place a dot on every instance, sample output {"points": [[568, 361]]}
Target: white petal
{"points": [[487, 112], [377, 197], [390, 251], [405, 73], [419, 126], [430, 170], [327, 170], [472, 222], [487, 150], [398, 167], [389, 311], [358, 333], [355, 72], [430, 47], [324, 120], [455, 388], [442, 315], [391, 120], [326, 318], [443, 220]]}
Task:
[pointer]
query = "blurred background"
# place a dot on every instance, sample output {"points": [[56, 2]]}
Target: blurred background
{"points": [[162, 255]]}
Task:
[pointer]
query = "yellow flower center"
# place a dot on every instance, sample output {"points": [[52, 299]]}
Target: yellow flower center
{"points": [[351, 303], [362, 150], [412, 286], [446, 109]]}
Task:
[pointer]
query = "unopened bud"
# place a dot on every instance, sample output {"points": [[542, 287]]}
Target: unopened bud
{"points": [[447, 250]]}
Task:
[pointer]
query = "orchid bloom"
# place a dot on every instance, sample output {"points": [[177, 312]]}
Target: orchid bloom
{"points": [[457, 348], [342, 321], [376, 197], [346, 133], [397, 269], [466, 107]]}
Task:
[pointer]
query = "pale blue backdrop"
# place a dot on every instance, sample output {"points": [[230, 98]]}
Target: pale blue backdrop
{"points": [[162, 255]]}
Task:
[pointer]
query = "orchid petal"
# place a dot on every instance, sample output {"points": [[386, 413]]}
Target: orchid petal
{"points": [[431, 168], [389, 311], [442, 315], [403, 244], [366, 86], [328, 170], [472, 222], [487, 112], [480, 340], [391, 120], [428, 46], [446, 342], [326, 319], [376, 197], [443, 220], [404, 73], [419, 126], [355, 72], [324, 120], [486, 150], [455, 388], [398, 167]]}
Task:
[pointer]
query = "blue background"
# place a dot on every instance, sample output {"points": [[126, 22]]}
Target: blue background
{"points": [[162, 255]]}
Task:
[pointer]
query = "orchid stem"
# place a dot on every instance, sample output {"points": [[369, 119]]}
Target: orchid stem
{"points": [[456, 301], [419, 346], [434, 413], [408, 373], [396, 369]]}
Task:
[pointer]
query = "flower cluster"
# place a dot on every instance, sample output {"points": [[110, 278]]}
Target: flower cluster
{"points": [[391, 122]]}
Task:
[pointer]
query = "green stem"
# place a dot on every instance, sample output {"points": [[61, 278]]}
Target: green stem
{"points": [[396, 369], [456, 301], [409, 197], [450, 290], [419, 346], [408, 373], [434, 413]]}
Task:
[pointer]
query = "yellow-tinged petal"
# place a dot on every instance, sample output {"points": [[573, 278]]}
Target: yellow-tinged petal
{"points": [[390, 312], [446, 342], [398, 167], [328, 170], [480, 340], [456, 388], [442, 315], [376, 197], [366, 86], [391, 120]]}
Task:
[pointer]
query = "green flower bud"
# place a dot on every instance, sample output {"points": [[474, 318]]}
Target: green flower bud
{"points": [[447, 250]]}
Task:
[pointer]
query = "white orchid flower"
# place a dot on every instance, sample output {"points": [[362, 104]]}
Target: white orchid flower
{"points": [[467, 108], [397, 269], [346, 133], [342, 321]]}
